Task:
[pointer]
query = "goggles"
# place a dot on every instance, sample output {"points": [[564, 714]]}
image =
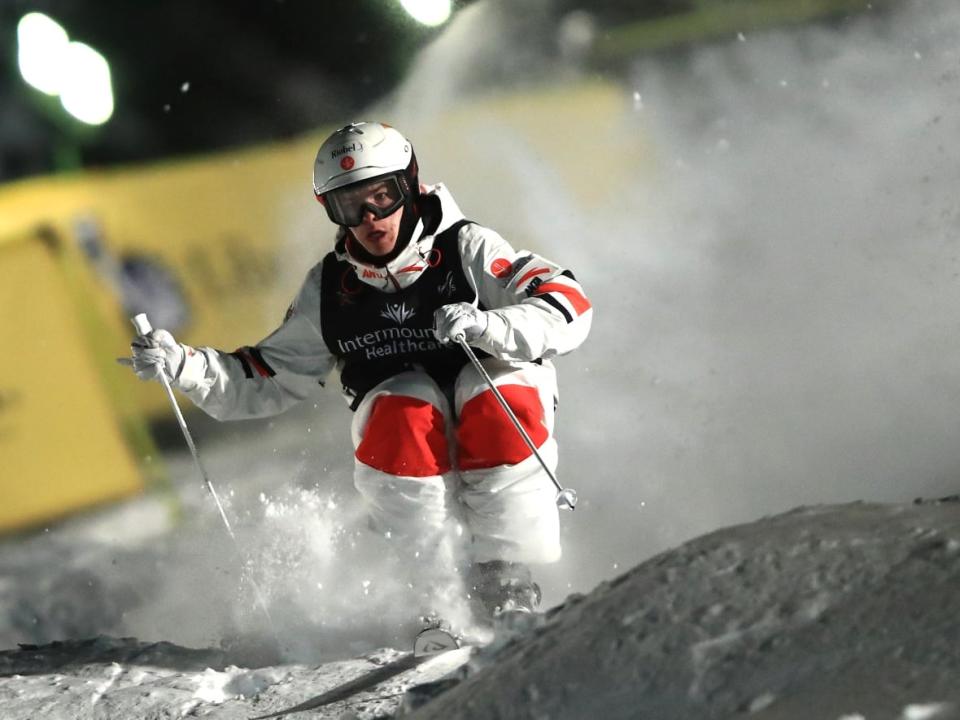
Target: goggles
{"points": [[380, 196]]}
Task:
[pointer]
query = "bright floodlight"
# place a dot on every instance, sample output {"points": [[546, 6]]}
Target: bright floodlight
{"points": [[86, 92], [428, 12], [41, 45]]}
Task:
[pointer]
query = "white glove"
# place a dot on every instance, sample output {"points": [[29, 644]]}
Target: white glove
{"points": [[157, 349], [451, 321]]}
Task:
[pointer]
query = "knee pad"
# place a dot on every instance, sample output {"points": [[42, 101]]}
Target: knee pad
{"points": [[486, 437], [405, 436]]}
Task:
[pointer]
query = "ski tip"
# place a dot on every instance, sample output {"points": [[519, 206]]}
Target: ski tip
{"points": [[433, 641]]}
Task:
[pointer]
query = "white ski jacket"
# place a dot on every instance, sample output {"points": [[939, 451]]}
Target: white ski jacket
{"points": [[536, 310]]}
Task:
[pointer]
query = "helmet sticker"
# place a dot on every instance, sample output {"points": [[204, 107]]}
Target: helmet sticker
{"points": [[352, 147], [346, 162]]}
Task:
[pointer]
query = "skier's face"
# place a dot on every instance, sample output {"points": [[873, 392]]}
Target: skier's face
{"points": [[378, 237]]}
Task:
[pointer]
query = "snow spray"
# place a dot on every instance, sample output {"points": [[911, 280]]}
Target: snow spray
{"points": [[142, 324], [775, 276]]}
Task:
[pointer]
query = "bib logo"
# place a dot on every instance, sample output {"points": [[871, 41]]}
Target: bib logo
{"points": [[448, 288], [399, 313]]}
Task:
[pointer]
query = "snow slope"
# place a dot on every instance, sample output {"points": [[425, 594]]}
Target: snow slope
{"points": [[828, 612], [833, 612], [124, 679]]}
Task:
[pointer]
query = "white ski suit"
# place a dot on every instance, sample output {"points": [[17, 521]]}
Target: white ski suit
{"points": [[431, 442]]}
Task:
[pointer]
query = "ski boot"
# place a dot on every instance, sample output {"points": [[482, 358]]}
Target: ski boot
{"points": [[498, 587]]}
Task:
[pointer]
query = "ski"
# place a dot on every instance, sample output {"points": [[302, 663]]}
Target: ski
{"points": [[428, 644], [433, 641]]}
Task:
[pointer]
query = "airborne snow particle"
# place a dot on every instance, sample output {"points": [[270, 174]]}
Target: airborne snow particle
{"points": [[928, 711], [185, 87], [762, 702]]}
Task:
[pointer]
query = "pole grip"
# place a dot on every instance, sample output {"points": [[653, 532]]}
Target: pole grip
{"points": [[141, 323]]}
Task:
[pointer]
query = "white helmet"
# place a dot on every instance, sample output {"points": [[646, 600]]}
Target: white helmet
{"points": [[360, 152]]}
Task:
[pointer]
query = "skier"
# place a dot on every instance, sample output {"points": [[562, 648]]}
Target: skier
{"points": [[409, 274]]}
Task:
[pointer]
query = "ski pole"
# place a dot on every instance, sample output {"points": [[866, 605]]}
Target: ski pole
{"points": [[142, 324], [566, 497]]}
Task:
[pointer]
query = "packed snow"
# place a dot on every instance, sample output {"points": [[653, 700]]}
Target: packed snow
{"points": [[778, 297], [844, 611]]}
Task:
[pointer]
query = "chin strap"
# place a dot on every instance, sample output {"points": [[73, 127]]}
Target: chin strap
{"points": [[408, 225]]}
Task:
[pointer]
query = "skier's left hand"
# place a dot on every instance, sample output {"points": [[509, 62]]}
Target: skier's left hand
{"points": [[451, 321]]}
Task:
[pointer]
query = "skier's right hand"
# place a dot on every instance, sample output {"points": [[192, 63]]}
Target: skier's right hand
{"points": [[155, 350], [451, 322]]}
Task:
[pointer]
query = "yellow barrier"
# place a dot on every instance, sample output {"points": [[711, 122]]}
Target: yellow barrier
{"points": [[203, 236], [62, 441]]}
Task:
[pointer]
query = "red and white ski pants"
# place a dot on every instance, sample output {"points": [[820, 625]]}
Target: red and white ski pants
{"points": [[421, 465]]}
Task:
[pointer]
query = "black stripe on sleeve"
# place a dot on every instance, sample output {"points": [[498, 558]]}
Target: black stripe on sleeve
{"points": [[247, 370], [258, 356], [547, 297]]}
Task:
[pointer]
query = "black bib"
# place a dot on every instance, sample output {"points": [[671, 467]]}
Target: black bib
{"points": [[376, 335]]}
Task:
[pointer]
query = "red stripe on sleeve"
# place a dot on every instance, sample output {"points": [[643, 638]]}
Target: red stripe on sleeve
{"points": [[576, 298], [261, 370]]}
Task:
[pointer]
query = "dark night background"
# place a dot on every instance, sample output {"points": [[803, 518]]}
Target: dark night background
{"points": [[192, 77]]}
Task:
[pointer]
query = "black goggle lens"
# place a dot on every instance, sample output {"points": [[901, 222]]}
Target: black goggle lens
{"points": [[380, 197]]}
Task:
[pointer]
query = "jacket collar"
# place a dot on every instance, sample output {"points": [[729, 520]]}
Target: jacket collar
{"points": [[403, 270]]}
